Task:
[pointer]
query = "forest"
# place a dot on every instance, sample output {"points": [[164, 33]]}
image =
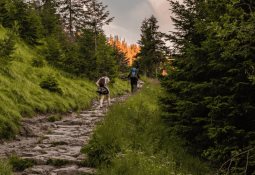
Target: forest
{"points": [[195, 118]]}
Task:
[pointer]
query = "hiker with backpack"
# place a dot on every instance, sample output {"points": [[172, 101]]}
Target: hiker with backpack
{"points": [[103, 90], [134, 77]]}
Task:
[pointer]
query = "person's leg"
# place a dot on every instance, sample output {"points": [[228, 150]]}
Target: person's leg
{"points": [[109, 99], [101, 101], [135, 87], [132, 85]]}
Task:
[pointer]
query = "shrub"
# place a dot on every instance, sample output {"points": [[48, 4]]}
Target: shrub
{"points": [[57, 162], [19, 164], [38, 62], [7, 45], [101, 151], [8, 129], [54, 118], [50, 83]]}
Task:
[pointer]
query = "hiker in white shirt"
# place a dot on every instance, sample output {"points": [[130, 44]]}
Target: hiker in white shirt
{"points": [[103, 90]]}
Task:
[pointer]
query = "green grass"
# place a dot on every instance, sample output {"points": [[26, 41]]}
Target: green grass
{"points": [[133, 140], [5, 168], [19, 164], [54, 118], [22, 96]]}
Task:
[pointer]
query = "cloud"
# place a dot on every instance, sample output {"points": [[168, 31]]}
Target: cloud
{"points": [[123, 33], [130, 14], [162, 13], [141, 11], [127, 24]]}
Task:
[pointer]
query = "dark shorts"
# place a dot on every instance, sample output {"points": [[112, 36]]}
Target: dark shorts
{"points": [[103, 91], [134, 80]]}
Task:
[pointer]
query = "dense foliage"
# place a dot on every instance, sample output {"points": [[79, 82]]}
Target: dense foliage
{"points": [[211, 95]]}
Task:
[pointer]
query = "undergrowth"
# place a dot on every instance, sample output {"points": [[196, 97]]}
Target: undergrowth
{"points": [[133, 140]]}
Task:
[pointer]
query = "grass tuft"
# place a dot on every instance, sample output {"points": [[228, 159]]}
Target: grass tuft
{"points": [[54, 118], [5, 168], [19, 164]]}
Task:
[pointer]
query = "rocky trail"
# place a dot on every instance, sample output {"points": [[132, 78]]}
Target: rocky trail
{"points": [[55, 147]]}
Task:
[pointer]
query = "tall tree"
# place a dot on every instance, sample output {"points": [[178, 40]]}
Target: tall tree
{"points": [[129, 51], [95, 17], [23, 18], [210, 101], [70, 11], [152, 47], [50, 19], [121, 58]]}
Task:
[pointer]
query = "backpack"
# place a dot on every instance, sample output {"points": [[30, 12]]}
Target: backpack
{"points": [[134, 73], [103, 90], [101, 82]]}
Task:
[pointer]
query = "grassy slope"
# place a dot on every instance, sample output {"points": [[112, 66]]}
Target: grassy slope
{"points": [[132, 140], [21, 95]]}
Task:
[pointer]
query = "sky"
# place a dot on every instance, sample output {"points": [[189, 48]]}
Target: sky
{"points": [[129, 15]]}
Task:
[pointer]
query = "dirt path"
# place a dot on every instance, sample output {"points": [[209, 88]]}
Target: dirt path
{"points": [[55, 146]]}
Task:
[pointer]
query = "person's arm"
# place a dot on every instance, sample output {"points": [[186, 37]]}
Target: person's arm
{"points": [[97, 83], [108, 80], [129, 75]]}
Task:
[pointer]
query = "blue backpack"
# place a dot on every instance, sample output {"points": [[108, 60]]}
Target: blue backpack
{"points": [[134, 73]]}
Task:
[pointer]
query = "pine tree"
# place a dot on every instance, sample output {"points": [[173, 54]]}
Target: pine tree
{"points": [[210, 100], [106, 62], [129, 51], [70, 11], [22, 18], [7, 46], [152, 47], [121, 58], [87, 62], [95, 17], [49, 17]]}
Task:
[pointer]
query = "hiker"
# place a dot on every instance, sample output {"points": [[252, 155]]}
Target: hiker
{"points": [[133, 76], [103, 90]]}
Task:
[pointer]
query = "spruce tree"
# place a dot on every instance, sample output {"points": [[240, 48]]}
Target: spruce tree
{"points": [[28, 21], [152, 47], [210, 101], [105, 60], [70, 11], [121, 59], [87, 64], [95, 17], [49, 17]]}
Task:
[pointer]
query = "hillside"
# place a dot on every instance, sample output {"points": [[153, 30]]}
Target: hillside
{"points": [[22, 96]]}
